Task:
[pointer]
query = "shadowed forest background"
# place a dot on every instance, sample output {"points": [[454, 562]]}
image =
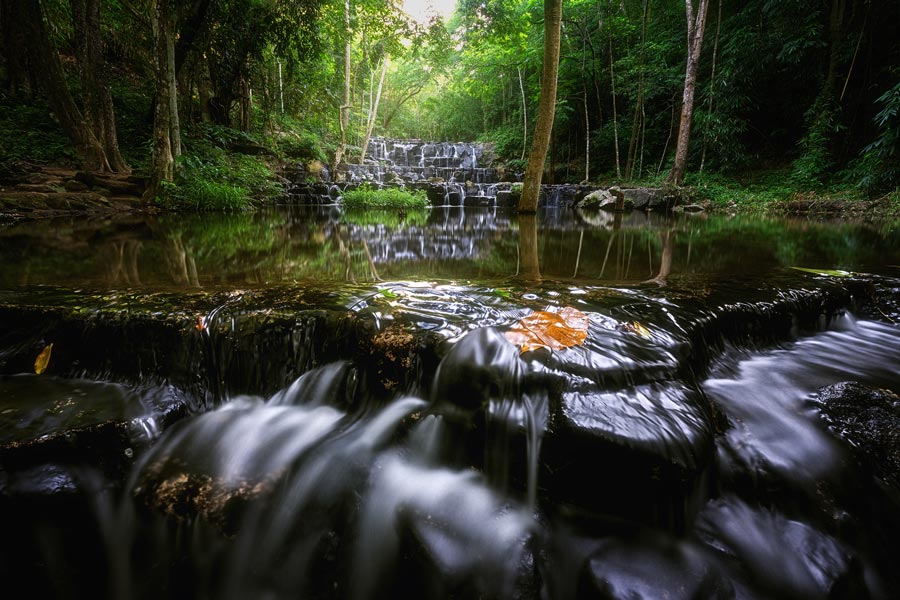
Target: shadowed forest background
{"points": [[801, 96]]}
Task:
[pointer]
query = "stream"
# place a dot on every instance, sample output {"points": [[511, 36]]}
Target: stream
{"points": [[310, 402]]}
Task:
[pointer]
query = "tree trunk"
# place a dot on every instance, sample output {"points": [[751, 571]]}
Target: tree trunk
{"points": [[373, 111], [45, 61], [95, 94], [587, 138], [528, 248], [531, 188], [695, 26], [13, 45], [162, 163], [345, 106], [612, 89], [174, 121], [524, 115], [712, 83], [245, 103]]}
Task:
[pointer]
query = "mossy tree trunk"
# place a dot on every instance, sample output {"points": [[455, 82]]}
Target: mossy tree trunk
{"points": [[162, 164], [44, 60], [96, 97]]}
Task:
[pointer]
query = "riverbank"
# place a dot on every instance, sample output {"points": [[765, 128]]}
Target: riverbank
{"points": [[46, 191]]}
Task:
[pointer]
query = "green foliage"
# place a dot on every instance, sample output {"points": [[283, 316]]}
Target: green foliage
{"points": [[302, 145], [753, 194], [209, 178], [367, 197], [507, 141], [204, 195], [878, 167], [27, 133], [816, 163]]}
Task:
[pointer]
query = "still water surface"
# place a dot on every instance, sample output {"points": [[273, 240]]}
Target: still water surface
{"points": [[301, 244]]}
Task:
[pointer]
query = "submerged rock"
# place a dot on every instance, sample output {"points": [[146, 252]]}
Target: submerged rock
{"points": [[868, 419]]}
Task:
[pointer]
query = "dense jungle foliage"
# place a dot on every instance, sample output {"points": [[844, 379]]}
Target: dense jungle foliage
{"points": [[800, 95]]}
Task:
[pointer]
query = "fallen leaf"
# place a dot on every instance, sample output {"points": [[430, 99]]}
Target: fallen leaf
{"points": [[201, 325], [639, 329], [43, 359], [552, 330], [831, 272]]}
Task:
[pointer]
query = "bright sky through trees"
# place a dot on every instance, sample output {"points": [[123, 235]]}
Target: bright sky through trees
{"points": [[420, 9]]}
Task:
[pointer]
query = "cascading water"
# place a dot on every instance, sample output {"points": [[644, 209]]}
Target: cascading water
{"points": [[451, 173]]}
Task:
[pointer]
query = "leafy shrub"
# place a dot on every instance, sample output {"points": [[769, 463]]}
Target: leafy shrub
{"points": [[204, 195], [813, 167], [27, 132], [366, 197], [304, 145]]}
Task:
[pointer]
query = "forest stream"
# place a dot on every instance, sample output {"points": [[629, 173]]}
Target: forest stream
{"points": [[310, 402]]}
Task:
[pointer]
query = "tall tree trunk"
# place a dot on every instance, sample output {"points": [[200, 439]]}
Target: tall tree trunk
{"points": [[524, 115], [696, 22], [373, 111], [95, 94], [171, 73], [531, 188], [244, 83], [45, 61], [13, 37], [612, 89], [345, 106], [712, 82], [528, 248], [587, 138], [162, 162], [637, 125], [280, 88]]}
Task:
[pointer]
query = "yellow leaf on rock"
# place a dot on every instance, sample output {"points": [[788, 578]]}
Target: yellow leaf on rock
{"points": [[640, 330], [43, 359], [552, 330]]}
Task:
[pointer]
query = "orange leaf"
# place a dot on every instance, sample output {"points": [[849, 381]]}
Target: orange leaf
{"points": [[43, 359], [552, 330]]}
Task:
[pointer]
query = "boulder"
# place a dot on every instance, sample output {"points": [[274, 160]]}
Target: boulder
{"points": [[868, 419]]}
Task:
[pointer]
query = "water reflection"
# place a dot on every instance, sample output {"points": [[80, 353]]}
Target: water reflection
{"points": [[296, 244]]}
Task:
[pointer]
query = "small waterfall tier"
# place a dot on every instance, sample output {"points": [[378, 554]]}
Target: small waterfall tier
{"points": [[411, 161]]}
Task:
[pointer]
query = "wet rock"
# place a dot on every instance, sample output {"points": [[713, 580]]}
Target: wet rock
{"points": [[37, 188], [480, 366], [690, 208], [215, 465], [868, 419], [73, 185], [640, 197], [653, 444], [778, 556], [652, 566], [53, 428], [601, 199]]}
